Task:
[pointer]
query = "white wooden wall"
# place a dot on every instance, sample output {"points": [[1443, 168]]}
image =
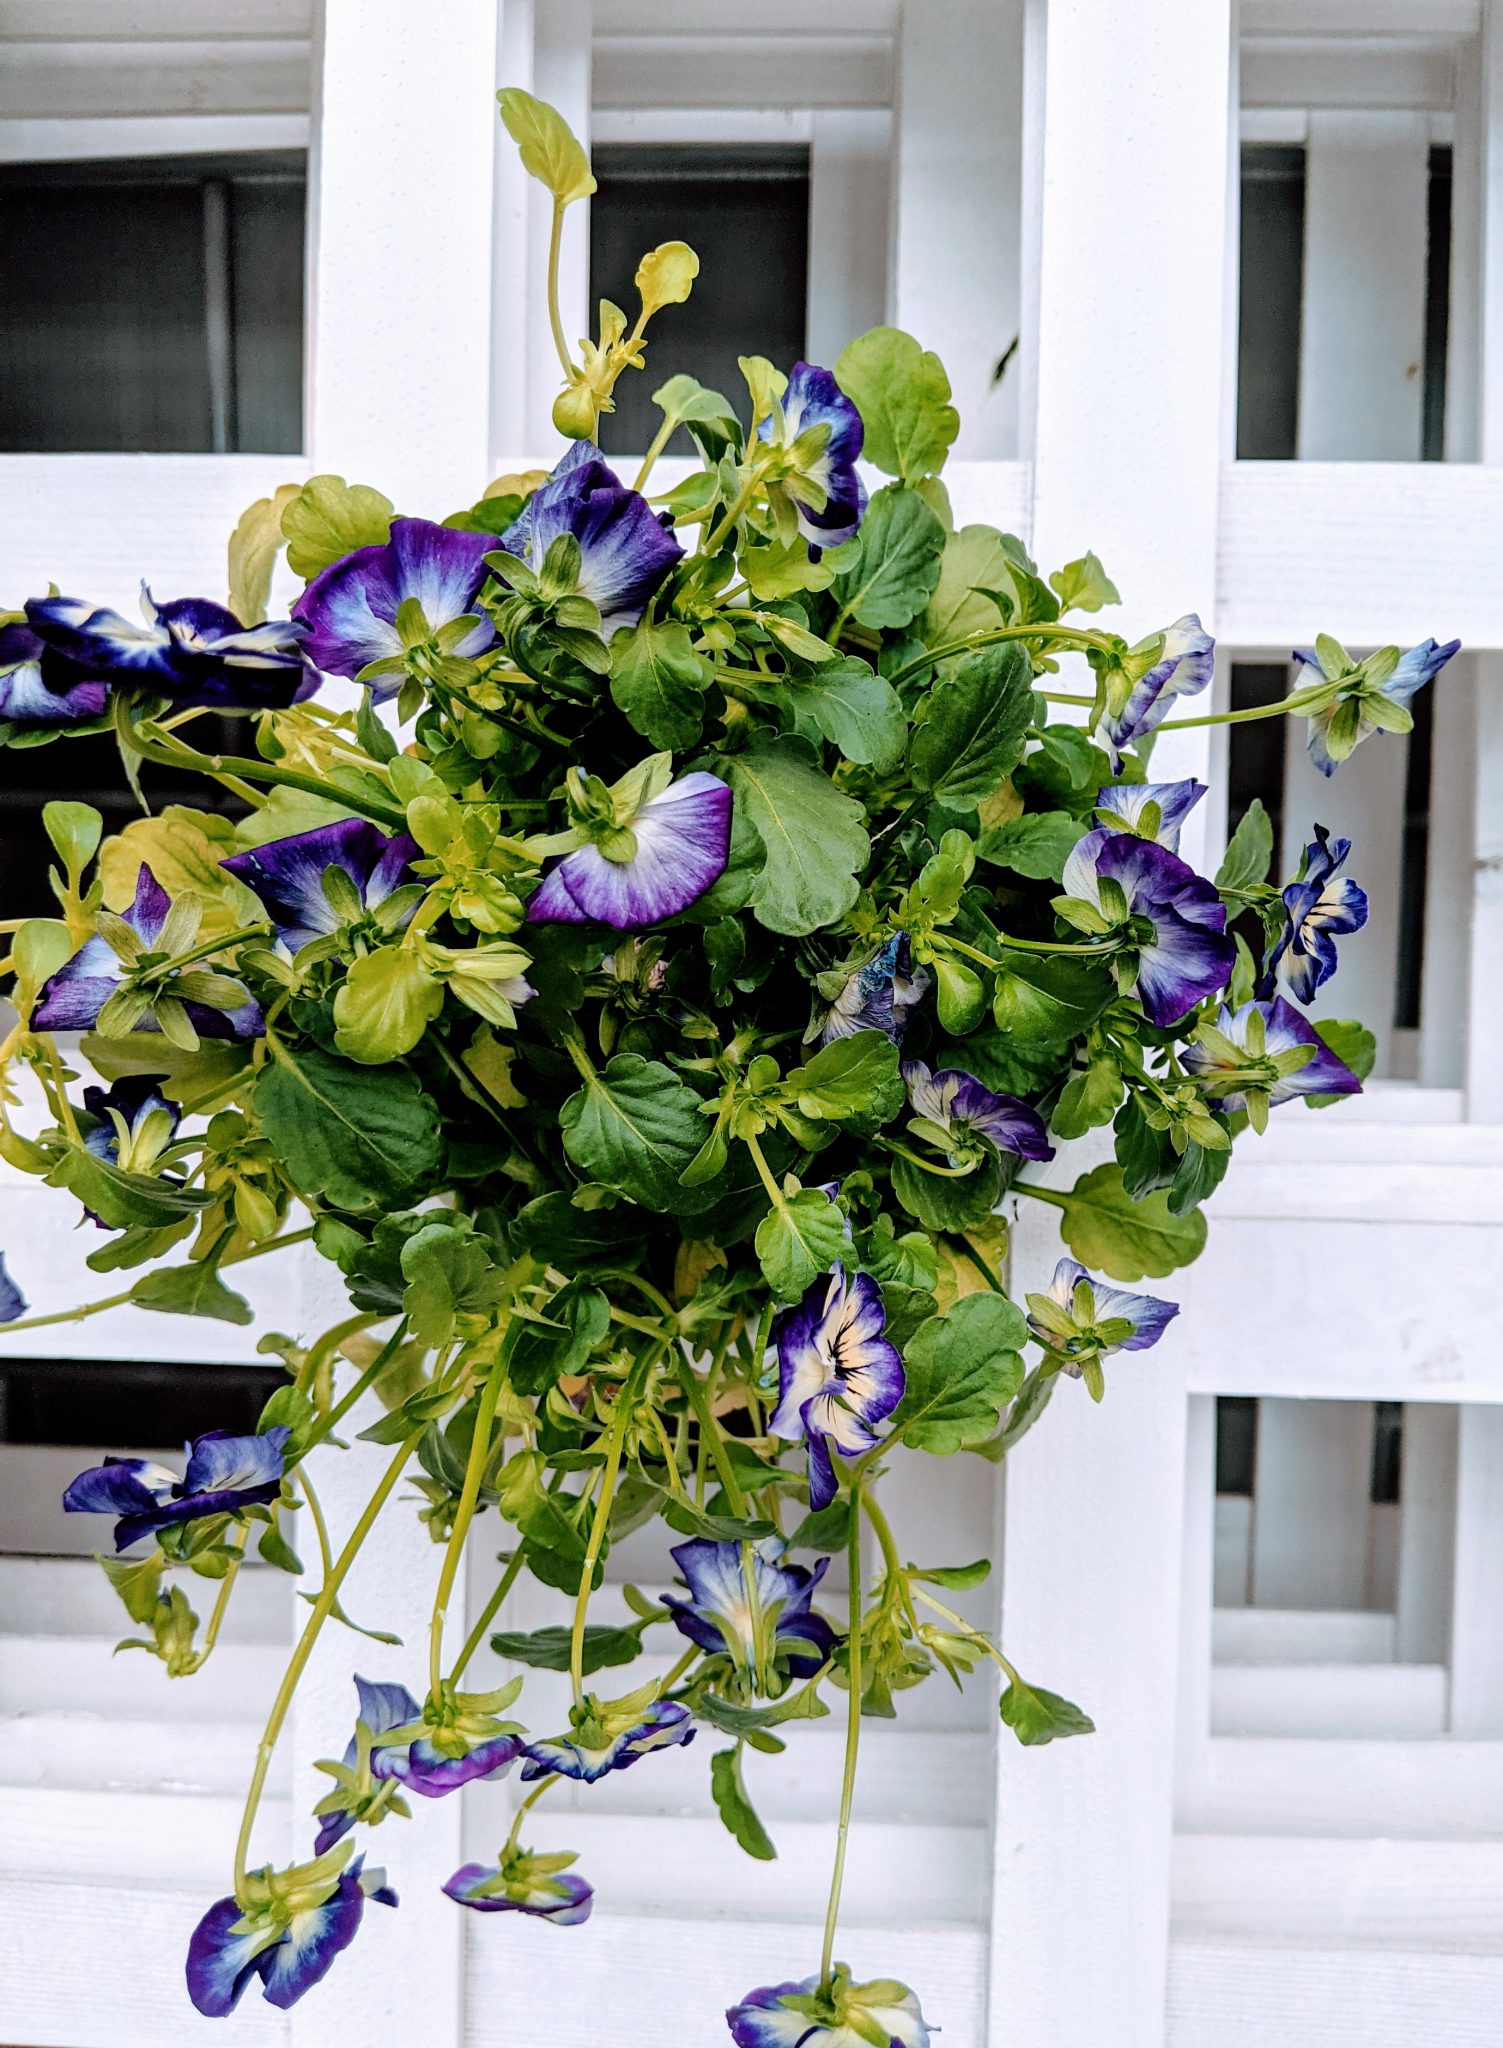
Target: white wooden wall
{"points": [[1065, 172]]}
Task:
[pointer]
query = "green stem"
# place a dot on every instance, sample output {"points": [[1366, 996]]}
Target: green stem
{"points": [[1301, 700], [464, 1514], [323, 1607], [489, 1612], [1049, 1195], [222, 1599], [326, 1424], [221, 766], [1027, 946], [970, 1632], [764, 1172], [709, 1435], [555, 243], [523, 1810], [852, 1745], [655, 448], [320, 1526], [882, 1530], [925, 1165], [615, 1446], [97, 1308], [743, 498], [1073, 636]]}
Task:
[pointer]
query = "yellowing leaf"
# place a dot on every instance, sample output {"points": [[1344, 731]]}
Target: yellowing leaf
{"points": [[183, 849], [550, 150], [665, 276], [254, 547], [329, 519]]}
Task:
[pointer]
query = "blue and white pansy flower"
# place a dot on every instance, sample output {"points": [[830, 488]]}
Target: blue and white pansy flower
{"points": [[1151, 810], [1081, 1320], [952, 1110], [402, 1748], [758, 1620], [610, 1735], [350, 609], [12, 1300], [810, 2014], [1263, 1054], [1138, 696], [42, 692], [225, 1473], [877, 995], [520, 1881], [1319, 906], [625, 551], [1366, 697], [360, 1794], [820, 433], [134, 1122], [190, 649], [839, 1377], [289, 877], [287, 1931], [639, 851], [1169, 923]]}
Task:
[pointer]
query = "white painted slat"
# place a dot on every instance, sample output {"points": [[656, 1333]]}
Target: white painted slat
{"points": [[103, 1753], [1427, 1532], [142, 1837], [1310, 1503], [1307, 1890], [1360, 17], [1271, 1785], [69, 81], [1476, 1642], [1450, 876], [106, 21], [42, 1672], [786, 19], [123, 135], [1270, 1635], [850, 201], [1241, 1994], [55, 1595], [741, 70], [1336, 1700], [1484, 986], [1392, 73]]}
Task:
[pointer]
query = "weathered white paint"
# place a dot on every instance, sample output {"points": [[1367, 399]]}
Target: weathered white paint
{"points": [[1476, 1640], [1310, 1503], [1427, 1533]]}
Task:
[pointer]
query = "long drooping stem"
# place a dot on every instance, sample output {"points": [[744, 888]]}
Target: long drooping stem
{"points": [[480, 1447], [852, 1741], [614, 1450], [97, 1308], [223, 767], [323, 1607], [489, 1612]]}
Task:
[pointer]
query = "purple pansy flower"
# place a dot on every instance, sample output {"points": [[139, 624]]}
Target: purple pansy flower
{"points": [[72, 999], [1082, 1318], [838, 1375], [288, 874], [225, 1473], [191, 650], [381, 1707], [418, 1766], [351, 607], [1137, 706], [625, 551], [289, 1945], [878, 995], [1175, 923], [40, 690], [649, 865], [1419, 666], [135, 1123], [1317, 907], [828, 496], [806, 2015], [1128, 801], [523, 1883], [956, 1108], [610, 1736], [718, 1613], [12, 1300], [1268, 1050]]}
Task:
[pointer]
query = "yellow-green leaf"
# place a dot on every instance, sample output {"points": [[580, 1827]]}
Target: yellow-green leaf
{"points": [[665, 276], [550, 150], [254, 547]]}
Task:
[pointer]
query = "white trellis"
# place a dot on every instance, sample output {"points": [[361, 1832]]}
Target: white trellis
{"points": [[1065, 170]]}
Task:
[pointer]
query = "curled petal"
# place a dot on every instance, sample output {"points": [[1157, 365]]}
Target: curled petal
{"points": [[288, 874], [683, 839], [351, 607]]}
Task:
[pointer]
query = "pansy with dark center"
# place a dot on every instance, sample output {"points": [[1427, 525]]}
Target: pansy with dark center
{"points": [[1138, 696], [1083, 1320], [1169, 923], [819, 434], [1366, 697], [41, 691], [1152, 810], [1319, 905], [877, 995], [291, 877], [191, 650], [350, 609], [625, 551], [964, 1120], [520, 1881], [1261, 1055], [610, 1735], [225, 1473], [287, 1930], [126, 978], [839, 1377], [758, 1621], [134, 1122], [641, 850], [810, 2014], [12, 1300]]}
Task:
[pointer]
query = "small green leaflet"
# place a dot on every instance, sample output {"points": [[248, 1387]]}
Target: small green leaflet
{"points": [[853, 708], [191, 1291], [805, 1235], [978, 717], [549, 149], [735, 1809], [329, 519], [814, 843], [122, 1199], [962, 1369], [577, 1319], [1036, 1716], [1249, 852], [635, 1128], [658, 682], [449, 1273], [692, 1521], [887, 574], [903, 396], [1037, 844], [852, 1081], [1353, 1044], [1128, 1239], [975, 563], [1083, 586]]}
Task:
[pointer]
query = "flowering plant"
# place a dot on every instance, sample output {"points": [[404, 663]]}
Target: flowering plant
{"points": [[656, 937]]}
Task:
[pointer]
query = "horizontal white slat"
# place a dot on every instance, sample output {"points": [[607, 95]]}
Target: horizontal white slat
{"points": [[1280, 1635], [1359, 17], [670, 1979], [1401, 1700], [101, 1966], [38, 1673], [743, 70], [1267, 1786], [791, 18], [124, 135], [68, 81], [1249, 1995], [51, 1596], [1368, 551], [1367, 1893], [68, 1752], [1378, 71], [107, 21], [148, 1837]]}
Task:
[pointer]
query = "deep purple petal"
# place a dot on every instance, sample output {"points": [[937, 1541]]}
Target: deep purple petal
{"points": [[384, 1704], [120, 1486], [221, 1963], [220, 1463], [351, 607], [30, 695], [683, 842], [313, 1939], [427, 1771], [12, 1301], [287, 874], [565, 1900], [625, 551]]}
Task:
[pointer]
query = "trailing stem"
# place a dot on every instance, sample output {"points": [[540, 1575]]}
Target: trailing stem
{"points": [[852, 1742]]}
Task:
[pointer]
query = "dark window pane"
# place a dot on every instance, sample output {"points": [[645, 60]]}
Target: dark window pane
{"points": [[126, 1404], [746, 213], [1437, 304], [1236, 1443], [1272, 259], [266, 255], [1415, 871], [1388, 1451]]}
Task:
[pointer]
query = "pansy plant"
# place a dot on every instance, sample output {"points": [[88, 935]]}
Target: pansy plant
{"points": [[652, 989]]}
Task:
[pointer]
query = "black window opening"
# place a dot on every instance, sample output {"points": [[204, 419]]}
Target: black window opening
{"points": [[153, 305], [745, 212], [1237, 1449], [128, 1404]]}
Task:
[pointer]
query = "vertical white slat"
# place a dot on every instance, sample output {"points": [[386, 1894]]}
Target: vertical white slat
{"points": [[1463, 429], [1231, 278], [1476, 1639], [1362, 339], [1310, 1503], [956, 211], [1427, 1533], [1488, 274], [1449, 878], [1197, 1590], [1484, 1070], [561, 75], [512, 307], [1125, 436], [850, 203], [401, 196]]}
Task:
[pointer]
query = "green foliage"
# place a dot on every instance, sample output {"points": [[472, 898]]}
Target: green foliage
{"points": [[359, 1139], [975, 725], [1036, 1716], [736, 1809], [903, 396], [887, 574], [658, 682], [1128, 1239], [801, 1236], [329, 519], [635, 1128], [1353, 1044], [195, 1290], [547, 1649], [962, 1369], [549, 149], [1037, 844], [812, 841], [385, 1004], [1249, 853]]}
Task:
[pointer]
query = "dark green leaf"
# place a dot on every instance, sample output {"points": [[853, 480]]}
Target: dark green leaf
{"points": [[658, 682], [1037, 844], [814, 844], [903, 396], [635, 1128], [449, 1273], [962, 1369], [855, 709], [547, 1649], [120, 1199], [978, 716], [886, 575], [692, 1521], [578, 1317], [1249, 852], [735, 1809], [943, 1201], [1036, 1716], [191, 1291], [360, 1138], [804, 1236], [1088, 1099]]}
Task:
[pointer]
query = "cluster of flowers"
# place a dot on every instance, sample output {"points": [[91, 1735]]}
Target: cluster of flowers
{"points": [[656, 1038]]}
